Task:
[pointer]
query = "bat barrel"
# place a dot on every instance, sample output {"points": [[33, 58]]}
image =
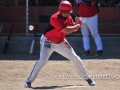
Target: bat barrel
{"points": [[8, 39]]}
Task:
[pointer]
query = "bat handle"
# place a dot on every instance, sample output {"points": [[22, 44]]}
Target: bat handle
{"points": [[32, 46]]}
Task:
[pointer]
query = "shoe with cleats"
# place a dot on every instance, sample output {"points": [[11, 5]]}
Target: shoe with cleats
{"points": [[27, 85], [91, 82]]}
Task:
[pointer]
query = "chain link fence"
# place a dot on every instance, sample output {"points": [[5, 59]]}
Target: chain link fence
{"points": [[39, 11]]}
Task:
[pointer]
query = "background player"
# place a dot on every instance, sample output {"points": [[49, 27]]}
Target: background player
{"points": [[53, 39], [88, 12]]}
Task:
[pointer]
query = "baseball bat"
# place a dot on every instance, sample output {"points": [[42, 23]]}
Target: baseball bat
{"points": [[8, 39], [1, 28], [82, 23], [33, 41]]}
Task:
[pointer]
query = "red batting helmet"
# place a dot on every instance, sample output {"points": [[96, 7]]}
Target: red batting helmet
{"points": [[65, 6]]}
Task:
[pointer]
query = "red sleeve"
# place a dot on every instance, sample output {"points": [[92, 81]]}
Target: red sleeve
{"points": [[57, 23], [72, 22]]}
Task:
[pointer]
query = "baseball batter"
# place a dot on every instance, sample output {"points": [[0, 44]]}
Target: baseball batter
{"points": [[88, 12], [53, 39]]}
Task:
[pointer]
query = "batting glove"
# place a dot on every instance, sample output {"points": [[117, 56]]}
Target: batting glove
{"points": [[78, 20]]}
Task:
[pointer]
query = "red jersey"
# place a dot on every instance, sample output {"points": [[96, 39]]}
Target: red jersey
{"points": [[56, 23], [87, 11]]}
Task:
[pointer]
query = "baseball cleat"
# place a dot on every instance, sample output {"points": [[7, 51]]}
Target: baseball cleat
{"points": [[99, 53], [86, 53], [27, 85], [90, 82]]}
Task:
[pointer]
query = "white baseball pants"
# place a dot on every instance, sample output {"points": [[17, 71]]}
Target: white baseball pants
{"points": [[91, 24], [65, 50]]}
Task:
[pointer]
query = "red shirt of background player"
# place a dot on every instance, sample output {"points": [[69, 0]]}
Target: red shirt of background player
{"points": [[87, 11], [57, 22]]}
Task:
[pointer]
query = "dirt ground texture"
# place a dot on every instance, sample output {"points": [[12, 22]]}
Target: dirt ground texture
{"points": [[60, 75]]}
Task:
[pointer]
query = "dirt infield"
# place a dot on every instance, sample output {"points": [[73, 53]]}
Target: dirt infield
{"points": [[60, 75]]}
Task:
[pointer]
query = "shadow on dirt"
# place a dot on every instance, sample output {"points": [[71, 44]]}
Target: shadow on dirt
{"points": [[55, 87]]}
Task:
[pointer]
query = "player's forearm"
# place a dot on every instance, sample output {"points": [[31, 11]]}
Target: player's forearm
{"points": [[71, 29]]}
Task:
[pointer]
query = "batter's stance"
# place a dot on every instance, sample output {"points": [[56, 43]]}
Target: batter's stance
{"points": [[53, 39]]}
